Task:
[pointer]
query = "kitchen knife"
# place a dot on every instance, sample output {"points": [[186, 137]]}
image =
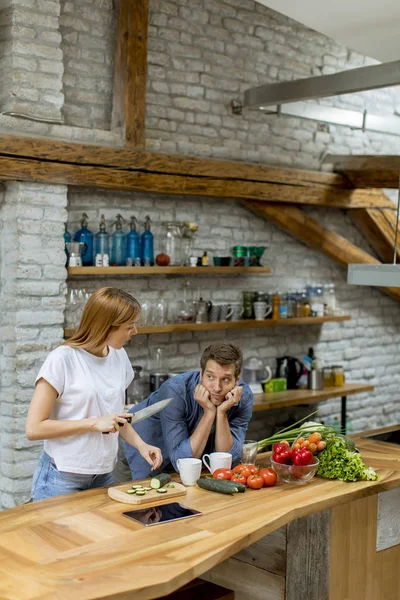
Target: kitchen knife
{"points": [[145, 413]]}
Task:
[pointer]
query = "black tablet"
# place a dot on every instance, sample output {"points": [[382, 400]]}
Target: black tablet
{"points": [[155, 515]]}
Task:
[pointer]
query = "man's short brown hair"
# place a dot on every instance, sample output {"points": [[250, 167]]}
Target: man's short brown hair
{"points": [[223, 353]]}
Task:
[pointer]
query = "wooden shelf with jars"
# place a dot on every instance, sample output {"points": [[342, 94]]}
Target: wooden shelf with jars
{"points": [[74, 271], [243, 324]]}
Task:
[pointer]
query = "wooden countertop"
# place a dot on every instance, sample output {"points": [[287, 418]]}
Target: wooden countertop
{"points": [[295, 397], [81, 547]]}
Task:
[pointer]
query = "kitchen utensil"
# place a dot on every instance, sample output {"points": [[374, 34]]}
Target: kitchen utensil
{"points": [[261, 310], [217, 460], [248, 301], [145, 413], [222, 261], [214, 313], [119, 493], [237, 310], [202, 309], [316, 379], [225, 312], [293, 473], [255, 373], [289, 368], [74, 253], [189, 470]]}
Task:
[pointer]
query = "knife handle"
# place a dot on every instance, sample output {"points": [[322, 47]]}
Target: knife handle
{"points": [[129, 420]]}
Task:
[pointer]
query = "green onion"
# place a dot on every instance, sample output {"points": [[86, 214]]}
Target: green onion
{"points": [[294, 431]]}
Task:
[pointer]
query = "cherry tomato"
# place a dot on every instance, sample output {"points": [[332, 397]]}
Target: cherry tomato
{"points": [[242, 469], [223, 474], [253, 469], [255, 482], [269, 477], [239, 478]]}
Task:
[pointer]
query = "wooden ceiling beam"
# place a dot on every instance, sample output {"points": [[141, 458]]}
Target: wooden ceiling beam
{"points": [[130, 72], [295, 222], [12, 168], [367, 171], [379, 229]]}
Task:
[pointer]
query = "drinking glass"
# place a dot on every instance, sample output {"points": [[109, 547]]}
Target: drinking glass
{"points": [[249, 452]]}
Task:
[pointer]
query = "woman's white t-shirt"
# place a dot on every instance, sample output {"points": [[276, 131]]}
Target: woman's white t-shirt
{"points": [[87, 386]]}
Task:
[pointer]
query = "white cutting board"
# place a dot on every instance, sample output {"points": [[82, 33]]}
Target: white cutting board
{"points": [[119, 494]]}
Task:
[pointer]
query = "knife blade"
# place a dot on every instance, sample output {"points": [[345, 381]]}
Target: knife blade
{"points": [[145, 413]]}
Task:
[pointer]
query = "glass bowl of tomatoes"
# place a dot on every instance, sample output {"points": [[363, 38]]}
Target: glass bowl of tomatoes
{"points": [[298, 474]]}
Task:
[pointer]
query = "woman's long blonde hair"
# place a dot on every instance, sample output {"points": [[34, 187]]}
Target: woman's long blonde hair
{"points": [[105, 311]]}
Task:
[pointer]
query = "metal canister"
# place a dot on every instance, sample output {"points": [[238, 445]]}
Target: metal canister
{"points": [[316, 379]]}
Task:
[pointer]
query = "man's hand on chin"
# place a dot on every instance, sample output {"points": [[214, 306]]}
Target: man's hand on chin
{"points": [[202, 397], [231, 399]]}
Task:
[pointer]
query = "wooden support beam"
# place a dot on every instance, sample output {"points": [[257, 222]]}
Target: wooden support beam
{"points": [[294, 221], [379, 228], [121, 179], [120, 168], [367, 171], [130, 72]]}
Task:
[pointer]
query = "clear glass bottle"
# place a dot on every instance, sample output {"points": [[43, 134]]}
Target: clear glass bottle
{"points": [[173, 242]]}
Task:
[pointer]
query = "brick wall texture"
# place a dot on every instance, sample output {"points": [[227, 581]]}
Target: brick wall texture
{"points": [[56, 62]]}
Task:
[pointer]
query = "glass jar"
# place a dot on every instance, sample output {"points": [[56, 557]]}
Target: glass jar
{"points": [[316, 297], [329, 299], [283, 307], [338, 375], [291, 305], [328, 377], [173, 242]]}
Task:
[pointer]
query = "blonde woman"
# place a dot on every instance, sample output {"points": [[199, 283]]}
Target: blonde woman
{"points": [[79, 396]]}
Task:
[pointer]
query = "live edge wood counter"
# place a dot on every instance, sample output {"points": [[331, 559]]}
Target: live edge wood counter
{"points": [[80, 546]]}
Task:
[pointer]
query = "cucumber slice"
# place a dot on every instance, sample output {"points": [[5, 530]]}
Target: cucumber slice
{"points": [[147, 489], [170, 485], [140, 493], [162, 491], [137, 487], [131, 491]]}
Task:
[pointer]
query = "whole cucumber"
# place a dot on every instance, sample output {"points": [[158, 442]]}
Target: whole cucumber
{"points": [[219, 485]]}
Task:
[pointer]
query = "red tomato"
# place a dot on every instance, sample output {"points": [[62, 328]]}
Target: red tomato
{"points": [[222, 474], [239, 477], [269, 477], [255, 482], [242, 469], [253, 469]]}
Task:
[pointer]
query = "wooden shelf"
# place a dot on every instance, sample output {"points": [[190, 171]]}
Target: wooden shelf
{"points": [[296, 397], [244, 324], [73, 271]]}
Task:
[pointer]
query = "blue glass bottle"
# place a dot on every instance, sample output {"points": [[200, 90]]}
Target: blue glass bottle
{"points": [[102, 245], [147, 244], [85, 236], [67, 238], [118, 244], [133, 249]]}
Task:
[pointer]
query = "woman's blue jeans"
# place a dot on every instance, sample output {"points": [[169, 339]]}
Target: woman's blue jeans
{"points": [[48, 481]]}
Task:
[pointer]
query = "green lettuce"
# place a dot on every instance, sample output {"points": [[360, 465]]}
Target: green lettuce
{"points": [[337, 462]]}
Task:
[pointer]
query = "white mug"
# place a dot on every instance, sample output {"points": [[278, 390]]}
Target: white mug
{"points": [[261, 310], [217, 460], [189, 470]]}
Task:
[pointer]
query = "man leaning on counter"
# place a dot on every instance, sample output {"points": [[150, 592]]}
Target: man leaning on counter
{"points": [[210, 412]]}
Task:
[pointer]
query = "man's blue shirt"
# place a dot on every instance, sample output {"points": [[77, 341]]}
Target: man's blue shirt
{"points": [[171, 428]]}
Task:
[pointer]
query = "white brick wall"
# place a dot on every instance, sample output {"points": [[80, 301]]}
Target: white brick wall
{"points": [[31, 319]]}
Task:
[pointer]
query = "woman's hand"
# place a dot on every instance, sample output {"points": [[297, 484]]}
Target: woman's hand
{"points": [[109, 423], [151, 454]]}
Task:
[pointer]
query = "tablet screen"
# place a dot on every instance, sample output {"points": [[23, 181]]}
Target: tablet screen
{"points": [[154, 515]]}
